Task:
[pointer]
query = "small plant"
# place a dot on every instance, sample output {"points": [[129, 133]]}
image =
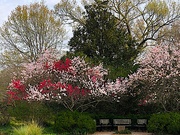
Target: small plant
{"points": [[126, 131], [30, 129]]}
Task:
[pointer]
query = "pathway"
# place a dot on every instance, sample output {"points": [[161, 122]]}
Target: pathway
{"points": [[111, 133]]}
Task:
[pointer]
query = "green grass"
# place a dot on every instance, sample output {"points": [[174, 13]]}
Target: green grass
{"points": [[8, 130], [29, 129]]}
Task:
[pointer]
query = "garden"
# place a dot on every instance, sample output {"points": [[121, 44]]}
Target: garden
{"points": [[69, 96], [121, 71]]}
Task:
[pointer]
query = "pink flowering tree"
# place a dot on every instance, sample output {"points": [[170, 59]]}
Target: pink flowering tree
{"points": [[72, 82], [158, 78]]}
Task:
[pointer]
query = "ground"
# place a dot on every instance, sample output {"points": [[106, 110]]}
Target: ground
{"points": [[111, 133]]}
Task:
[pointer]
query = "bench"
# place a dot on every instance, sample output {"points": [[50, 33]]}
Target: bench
{"points": [[142, 121], [104, 124], [125, 122], [121, 124], [141, 124]]}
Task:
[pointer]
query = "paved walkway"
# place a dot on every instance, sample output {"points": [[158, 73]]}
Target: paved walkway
{"points": [[111, 133]]}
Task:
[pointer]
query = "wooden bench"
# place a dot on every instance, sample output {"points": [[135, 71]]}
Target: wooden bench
{"points": [[104, 124], [121, 124], [141, 124], [142, 121], [125, 122]]}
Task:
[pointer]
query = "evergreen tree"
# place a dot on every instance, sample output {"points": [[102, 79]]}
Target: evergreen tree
{"points": [[104, 39]]}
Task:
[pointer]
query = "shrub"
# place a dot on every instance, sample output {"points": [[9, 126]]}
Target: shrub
{"points": [[167, 123], [64, 121], [4, 115], [78, 123], [4, 120], [174, 125], [6, 130], [85, 123], [25, 111], [30, 129]]}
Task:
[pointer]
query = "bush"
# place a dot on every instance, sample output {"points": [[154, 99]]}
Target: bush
{"points": [[64, 122], [25, 111], [4, 120], [4, 116], [30, 129], [75, 122], [174, 126], [166, 123]]}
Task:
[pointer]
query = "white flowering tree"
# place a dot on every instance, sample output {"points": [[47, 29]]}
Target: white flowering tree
{"points": [[73, 83], [158, 78]]}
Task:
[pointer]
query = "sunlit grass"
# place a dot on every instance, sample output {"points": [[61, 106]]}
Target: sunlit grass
{"points": [[9, 130], [30, 129]]}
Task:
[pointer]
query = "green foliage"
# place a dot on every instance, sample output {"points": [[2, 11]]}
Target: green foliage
{"points": [[121, 108], [103, 39], [4, 120], [30, 129], [174, 126], [74, 122], [64, 121], [158, 7], [5, 130], [4, 115], [165, 123], [25, 111]]}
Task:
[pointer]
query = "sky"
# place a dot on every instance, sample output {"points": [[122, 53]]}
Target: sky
{"points": [[6, 6]]}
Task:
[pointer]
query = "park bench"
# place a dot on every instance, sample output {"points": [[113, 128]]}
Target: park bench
{"points": [[121, 124], [141, 124], [104, 124]]}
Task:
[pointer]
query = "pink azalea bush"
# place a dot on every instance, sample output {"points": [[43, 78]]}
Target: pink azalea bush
{"points": [[158, 77], [71, 82]]}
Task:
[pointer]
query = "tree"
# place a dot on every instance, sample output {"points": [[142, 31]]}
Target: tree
{"points": [[102, 39], [172, 33], [5, 75], [70, 12], [143, 19], [29, 31], [158, 77], [72, 83]]}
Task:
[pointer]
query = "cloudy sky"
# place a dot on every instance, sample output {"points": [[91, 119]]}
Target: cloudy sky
{"points": [[6, 6]]}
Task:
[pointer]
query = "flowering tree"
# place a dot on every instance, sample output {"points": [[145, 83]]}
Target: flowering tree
{"points": [[158, 77], [74, 83]]}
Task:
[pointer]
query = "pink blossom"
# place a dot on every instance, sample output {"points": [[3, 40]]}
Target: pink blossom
{"points": [[158, 74], [74, 80]]}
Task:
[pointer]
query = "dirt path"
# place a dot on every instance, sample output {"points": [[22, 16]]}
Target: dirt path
{"points": [[111, 133]]}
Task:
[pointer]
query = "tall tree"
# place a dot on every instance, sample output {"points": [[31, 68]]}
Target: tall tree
{"points": [[143, 19], [102, 39], [30, 29], [171, 33], [70, 12]]}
